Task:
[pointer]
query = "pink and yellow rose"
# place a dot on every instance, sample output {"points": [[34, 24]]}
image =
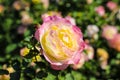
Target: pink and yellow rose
{"points": [[61, 41], [115, 42], [108, 32]]}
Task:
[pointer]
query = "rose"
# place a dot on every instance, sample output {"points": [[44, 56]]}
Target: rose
{"points": [[100, 10], [111, 5], [103, 56], [108, 32], [92, 30], [115, 42], [61, 41]]}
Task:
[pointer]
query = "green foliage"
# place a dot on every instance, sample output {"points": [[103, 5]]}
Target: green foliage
{"points": [[10, 48], [12, 41]]}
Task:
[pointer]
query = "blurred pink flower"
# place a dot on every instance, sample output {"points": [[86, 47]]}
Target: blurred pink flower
{"points": [[89, 51], [115, 42], [26, 18], [45, 3], [80, 63], [18, 5], [92, 30], [61, 41], [108, 32], [104, 64], [111, 5], [100, 10], [21, 29]]}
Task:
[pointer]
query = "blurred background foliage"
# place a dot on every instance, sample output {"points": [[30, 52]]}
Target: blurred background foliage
{"points": [[18, 21]]}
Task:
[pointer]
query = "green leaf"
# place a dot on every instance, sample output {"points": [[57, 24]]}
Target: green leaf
{"points": [[118, 55], [77, 75], [68, 77], [113, 61], [50, 77], [61, 76], [92, 78], [10, 48], [2, 59], [3, 72], [27, 33], [7, 24], [1, 36]]}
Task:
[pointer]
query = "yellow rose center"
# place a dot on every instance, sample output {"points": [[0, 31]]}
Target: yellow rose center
{"points": [[110, 33], [57, 43]]}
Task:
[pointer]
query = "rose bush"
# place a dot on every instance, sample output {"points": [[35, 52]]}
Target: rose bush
{"points": [[88, 51]]}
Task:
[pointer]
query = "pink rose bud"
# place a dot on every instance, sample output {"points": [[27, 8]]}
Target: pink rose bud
{"points": [[115, 42], [111, 5], [100, 10], [61, 41], [109, 32]]}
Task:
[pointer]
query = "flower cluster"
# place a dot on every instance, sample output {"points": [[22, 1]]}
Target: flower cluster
{"points": [[110, 33], [110, 5]]}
